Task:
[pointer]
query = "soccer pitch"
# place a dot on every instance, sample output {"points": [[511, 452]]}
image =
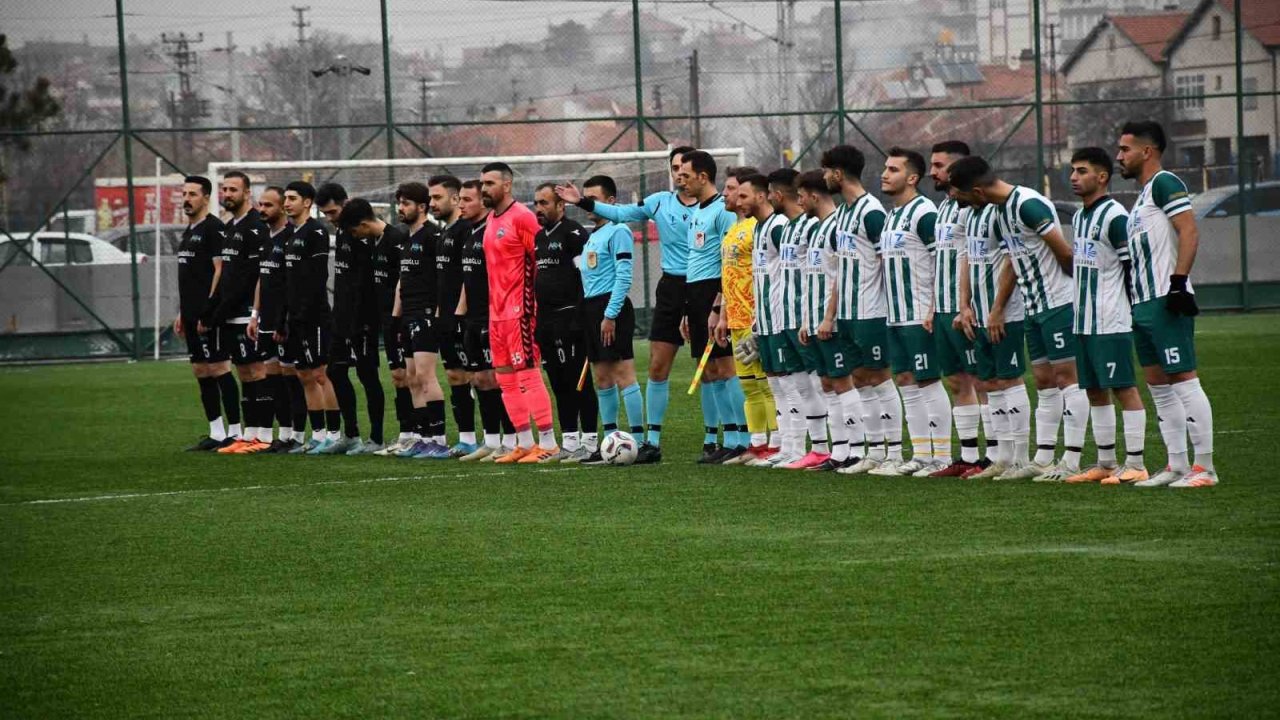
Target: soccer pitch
{"points": [[141, 581]]}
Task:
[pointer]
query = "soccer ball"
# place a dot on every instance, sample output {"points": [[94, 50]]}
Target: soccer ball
{"points": [[619, 448]]}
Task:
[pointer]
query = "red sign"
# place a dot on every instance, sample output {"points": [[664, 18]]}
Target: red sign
{"points": [[111, 202]]}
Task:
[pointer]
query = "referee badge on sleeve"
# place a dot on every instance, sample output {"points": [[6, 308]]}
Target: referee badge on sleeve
{"points": [[592, 259]]}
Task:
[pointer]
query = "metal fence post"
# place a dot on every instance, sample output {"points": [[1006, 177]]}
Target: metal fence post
{"points": [[839, 74], [127, 131], [1039, 100], [640, 125], [1244, 205], [386, 92]]}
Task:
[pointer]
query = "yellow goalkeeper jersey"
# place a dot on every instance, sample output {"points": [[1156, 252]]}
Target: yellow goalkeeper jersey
{"points": [[735, 274]]}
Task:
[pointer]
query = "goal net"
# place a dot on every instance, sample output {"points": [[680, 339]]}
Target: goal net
{"points": [[636, 174]]}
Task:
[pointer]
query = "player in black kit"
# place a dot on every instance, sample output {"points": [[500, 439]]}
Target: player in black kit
{"points": [[355, 331], [243, 246], [199, 265], [416, 299], [266, 324], [558, 287], [307, 315], [444, 208]]}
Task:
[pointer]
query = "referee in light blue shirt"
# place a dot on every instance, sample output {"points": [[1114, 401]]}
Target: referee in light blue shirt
{"points": [[606, 317]]}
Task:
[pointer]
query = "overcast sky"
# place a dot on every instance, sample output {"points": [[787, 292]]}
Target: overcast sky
{"points": [[428, 24]]}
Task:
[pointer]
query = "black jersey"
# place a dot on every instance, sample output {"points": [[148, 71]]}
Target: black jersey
{"points": [[306, 262], [201, 244], [386, 267], [558, 283], [474, 276], [418, 293], [355, 304], [243, 246], [449, 265], [271, 292]]}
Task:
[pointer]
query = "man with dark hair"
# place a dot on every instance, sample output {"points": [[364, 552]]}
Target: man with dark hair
{"points": [[355, 330], [443, 193], [243, 247], [415, 305], [1104, 320], [266, 324], [823, 349], [907, 246], [512, 269], [670, 210], [307, 314], [956, 357], [723, 402], [560, 337], [1040, 262], [735, 320], [473, 307], [861, 308], [199, 267], [1163, 240], [606, 317]]}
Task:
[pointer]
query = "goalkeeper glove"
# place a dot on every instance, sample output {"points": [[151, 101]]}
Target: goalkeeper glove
{"points": [[1180, 301]]}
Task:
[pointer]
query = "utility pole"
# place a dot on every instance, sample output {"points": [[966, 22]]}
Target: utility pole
{"points": [[1053, 96], [787, 73], [233, 99], [342, 68], [302, 24], [695, 99], [425, 86], [185, 107]]}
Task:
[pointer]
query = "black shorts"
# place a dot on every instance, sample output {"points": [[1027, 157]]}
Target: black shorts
{"points": [[449, 340], [670, 305], [204, 347], [392, 343], [420, 335], [308, 344], [359, 350], [244, 350], [476, 354], [702, 297], [559, 337], [591, 314]]}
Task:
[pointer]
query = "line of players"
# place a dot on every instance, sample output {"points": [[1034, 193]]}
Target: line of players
{"points": [[827, 315]]}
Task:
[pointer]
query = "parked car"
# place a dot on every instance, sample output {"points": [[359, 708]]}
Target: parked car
{"points": [[170, 237], [55, 249], [1217, 213]]}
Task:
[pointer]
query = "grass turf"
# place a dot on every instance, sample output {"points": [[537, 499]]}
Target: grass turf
{"points": [[167, 584]]}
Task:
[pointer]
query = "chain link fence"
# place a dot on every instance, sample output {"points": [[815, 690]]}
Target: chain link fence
{"points": [[89, 211]]}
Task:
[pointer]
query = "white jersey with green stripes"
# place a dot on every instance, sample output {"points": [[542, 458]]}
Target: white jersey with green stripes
{"points": [[766, 269], [907, 247], [1153, 243], [861, 269], [820, 271], [949, 232], [987, 258], [1099, 250], [1025, 218], [795, 243]]}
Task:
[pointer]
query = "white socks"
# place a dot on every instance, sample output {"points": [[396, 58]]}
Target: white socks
{"points": [[779, 408], [570, 441], [1172, 417], [839, 432], [1075, 420], [891, 411], [851, 403], [988, 430], [1048, 418], [966, 417], [1135, 437], [917, 414], [872, 425], [217, 429], [1199, 419], [938, 407], [811, 405], [1018, 407], [1104, 433], [493, 441]]}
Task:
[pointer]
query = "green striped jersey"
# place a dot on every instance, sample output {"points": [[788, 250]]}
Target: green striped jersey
{"points": [[950, 242], [820, 271], [985, 254], [795, 243], [1025, 218], [861, 270], [1153, 243], [907, 248], [766, 268], [1099, 249]]}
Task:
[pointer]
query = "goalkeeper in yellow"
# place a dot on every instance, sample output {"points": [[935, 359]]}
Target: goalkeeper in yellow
{"points": [[734, 321]]}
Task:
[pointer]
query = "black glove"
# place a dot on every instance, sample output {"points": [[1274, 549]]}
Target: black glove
{"points": [[1179, 301]]}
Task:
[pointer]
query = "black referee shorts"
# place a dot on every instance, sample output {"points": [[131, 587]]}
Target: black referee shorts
{"points": [[559, 337], [702, 297], [670, 305], [591, 314]]}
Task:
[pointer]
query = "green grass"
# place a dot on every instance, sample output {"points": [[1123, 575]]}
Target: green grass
{"points": [[176, 585]]}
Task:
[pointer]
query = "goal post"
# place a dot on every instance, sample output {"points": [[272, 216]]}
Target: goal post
{"points": [[635, 173]]}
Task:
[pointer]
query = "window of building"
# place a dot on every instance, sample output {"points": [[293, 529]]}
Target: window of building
{"points": [[1250, 86], [1111, 43], [1190, 92], [1217, 83], [1217, 27]]}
